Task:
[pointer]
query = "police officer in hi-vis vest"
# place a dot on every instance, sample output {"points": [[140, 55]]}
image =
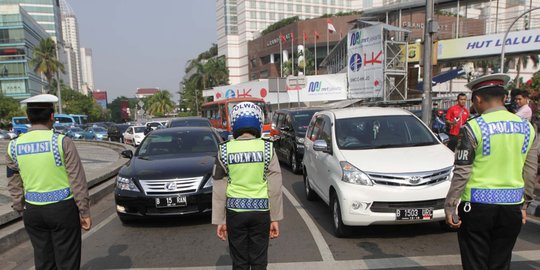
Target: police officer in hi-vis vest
{"points": [[494, 178], [48, 187], [247, 199]]}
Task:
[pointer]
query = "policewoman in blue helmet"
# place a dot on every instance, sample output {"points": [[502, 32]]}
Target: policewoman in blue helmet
{"points": [[247, 200]]}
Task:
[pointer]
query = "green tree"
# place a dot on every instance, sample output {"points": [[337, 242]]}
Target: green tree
{"points": [[523, 60], [160, 104], [116, 114], [9, 107], [74, 102], [44, 60]]}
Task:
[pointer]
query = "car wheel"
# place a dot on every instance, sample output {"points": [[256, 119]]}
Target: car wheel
{"points": [[310, 194], [293, 161], [340, 229]]}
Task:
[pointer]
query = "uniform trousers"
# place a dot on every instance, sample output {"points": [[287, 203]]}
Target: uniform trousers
{"points": [[487, 235], [248, 234], [55, 233]]}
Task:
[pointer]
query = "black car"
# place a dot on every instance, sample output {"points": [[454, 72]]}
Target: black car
{"points": [[288, 130], [116, 132], [169, 174], [189, 122]]}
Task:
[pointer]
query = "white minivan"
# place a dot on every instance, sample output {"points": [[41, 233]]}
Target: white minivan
{"points": [[376, 166]]}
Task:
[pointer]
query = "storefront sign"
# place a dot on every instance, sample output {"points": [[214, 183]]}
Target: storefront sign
{"points": [[13, 87], [320, 88], [252, 89]]}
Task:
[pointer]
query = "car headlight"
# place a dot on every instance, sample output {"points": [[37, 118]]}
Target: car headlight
{"points": [[353, 175], [126, 184], [209, 183], [300, 140]]}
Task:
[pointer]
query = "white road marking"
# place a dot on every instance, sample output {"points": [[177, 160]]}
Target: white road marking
{"points": [[388, 263], [533, 221], [99, 226], [323, 247]]}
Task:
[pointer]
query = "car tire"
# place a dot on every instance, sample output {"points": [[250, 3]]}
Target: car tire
{"points": [[310, 194], [340, 230], [293, 162]]}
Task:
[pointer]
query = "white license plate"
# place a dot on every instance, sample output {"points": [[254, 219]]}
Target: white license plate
{"points": [[178, 201], [414, 214]]}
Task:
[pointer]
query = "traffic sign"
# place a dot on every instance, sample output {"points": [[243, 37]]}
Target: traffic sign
{"points": [[296, 81]]}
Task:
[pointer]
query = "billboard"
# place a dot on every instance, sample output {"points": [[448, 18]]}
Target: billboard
{"points": [[320, 88], [101, 98], [365, 62], [519, 41], [252, 89]]}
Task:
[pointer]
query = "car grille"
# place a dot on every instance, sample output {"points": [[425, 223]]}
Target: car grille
{"points": [[411, 179], [390, 207], [171, 186]]}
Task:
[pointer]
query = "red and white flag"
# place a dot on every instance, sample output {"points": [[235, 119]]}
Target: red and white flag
{"points": [[305, 36], [317, 35], [283, 38], [331, 27]]}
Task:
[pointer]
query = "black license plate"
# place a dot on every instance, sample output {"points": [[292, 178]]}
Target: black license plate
{"points": [[414, 214], [178, 201]]}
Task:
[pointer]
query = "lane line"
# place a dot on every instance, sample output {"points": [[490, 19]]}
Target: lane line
{"points": [[99, 226], [323, 247], [388, 263]]}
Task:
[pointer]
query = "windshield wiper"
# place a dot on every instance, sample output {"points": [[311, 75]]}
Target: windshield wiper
{"points": [[422, 144], [386, 146]]}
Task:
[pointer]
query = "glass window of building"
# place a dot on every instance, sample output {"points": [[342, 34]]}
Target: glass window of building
{"points": [[368, 3], [290, 7], [308, 9], [253, 25], [298, 8], [253, 15], [272, 16], [340, 3], [333, 2], [316, 10], [281, 16], [280, 7], [250, 3], [262, 15], [324, 2], [272, 6]]}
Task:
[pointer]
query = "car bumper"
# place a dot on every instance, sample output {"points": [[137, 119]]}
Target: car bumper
{"points": [[138, 204], [372, 205], [137, 141]]}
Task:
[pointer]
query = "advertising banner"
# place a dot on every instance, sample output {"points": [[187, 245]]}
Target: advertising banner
{"points": [[519, 41], [320, 88], [251, 89], [366, 62], [101, 98]]}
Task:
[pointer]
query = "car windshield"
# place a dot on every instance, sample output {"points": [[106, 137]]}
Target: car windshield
{"points": [[99, 129], [382, 132], [139, 129], [75, 130], [190, 123], [61, 119], [180, 142], [21, 121], [301, 120]]}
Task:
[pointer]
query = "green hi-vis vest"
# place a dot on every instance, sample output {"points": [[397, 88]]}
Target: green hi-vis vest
{"points": [[504, 140], [247, 162], [40, 158]]}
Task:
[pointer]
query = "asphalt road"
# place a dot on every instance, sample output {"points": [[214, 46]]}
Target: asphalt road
{"points": [[306, 242]]}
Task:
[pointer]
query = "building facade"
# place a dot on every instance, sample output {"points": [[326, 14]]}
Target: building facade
{"points": [[19, 34], [264, 52], [146, 92], [70, 33], [45, 12], [87, 71], [239, 21]]}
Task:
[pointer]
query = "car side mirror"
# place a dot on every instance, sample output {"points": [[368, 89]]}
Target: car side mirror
{"points": [[322, 146], [443, 138], [127, 154]]}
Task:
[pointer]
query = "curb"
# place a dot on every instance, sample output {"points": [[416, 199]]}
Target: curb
{"points": [[534, 209], [12, 228]]}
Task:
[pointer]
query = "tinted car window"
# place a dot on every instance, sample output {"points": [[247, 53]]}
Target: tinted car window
{"points": [[301, 120], [326, 133], [182, 142], [316, 129], [190, 123], [382, 132], [139, 129]]}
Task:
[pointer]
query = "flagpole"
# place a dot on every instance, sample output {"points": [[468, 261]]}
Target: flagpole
{"points": [[305, 49], [292, 54], [315, 37], [327, 42], [280, 57]]}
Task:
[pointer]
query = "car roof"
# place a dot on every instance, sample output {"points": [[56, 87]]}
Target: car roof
{"points": [[367, 112], [301, 109], [174, 129], [189, 118]]}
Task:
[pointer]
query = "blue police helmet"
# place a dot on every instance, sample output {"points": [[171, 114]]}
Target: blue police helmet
{"points": [[246, 117]]}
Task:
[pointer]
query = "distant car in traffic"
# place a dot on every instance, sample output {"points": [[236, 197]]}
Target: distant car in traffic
{"points": [[95, 133], [189, 122], [376, 166], [116, 132], [20, 124], [60, 129], [134, 135], [75, 133], [6, 135], [169, 174], [288, 131]]}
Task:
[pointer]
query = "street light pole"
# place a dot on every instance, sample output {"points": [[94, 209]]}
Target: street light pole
{"points": [[430, 27], [58, 89], [503, 47]]}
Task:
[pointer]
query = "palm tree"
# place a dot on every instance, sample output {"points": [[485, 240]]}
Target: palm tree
{"points": [[45, 61], [525, 60], [160, 103]]}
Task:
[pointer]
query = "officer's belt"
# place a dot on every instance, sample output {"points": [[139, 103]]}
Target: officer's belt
{"points": [[497, 196], [247, 203], [47, 197]]}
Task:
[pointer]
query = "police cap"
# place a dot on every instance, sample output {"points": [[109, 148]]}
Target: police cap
{"points": [[493, 81], [40, 101]]}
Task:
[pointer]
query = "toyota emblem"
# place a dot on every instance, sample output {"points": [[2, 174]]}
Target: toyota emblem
{"points": [[414, 179], [170, 186]]}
